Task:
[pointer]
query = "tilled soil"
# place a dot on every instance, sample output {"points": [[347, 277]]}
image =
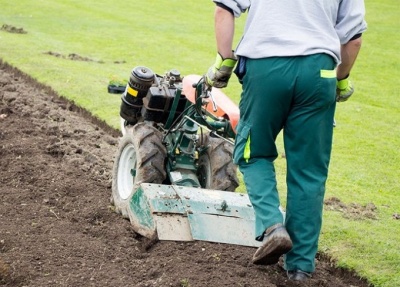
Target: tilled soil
{"points": [[57, 227]]}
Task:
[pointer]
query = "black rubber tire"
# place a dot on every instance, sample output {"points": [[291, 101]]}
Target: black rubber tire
{"points": [[216, 168], [140, 149]]}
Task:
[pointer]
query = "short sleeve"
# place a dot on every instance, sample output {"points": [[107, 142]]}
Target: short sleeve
{"points": [[350, 20], [238, 6]]}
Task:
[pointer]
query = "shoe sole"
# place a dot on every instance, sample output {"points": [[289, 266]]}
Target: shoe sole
{"points": [[270, 252], [298, 275]]}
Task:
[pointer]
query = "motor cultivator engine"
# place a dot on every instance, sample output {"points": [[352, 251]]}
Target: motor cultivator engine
{"points": [[170, 137], [149, 97]]}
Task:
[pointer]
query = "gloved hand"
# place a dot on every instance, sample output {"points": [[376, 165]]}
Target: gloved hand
{"points": [[344, 89], [218, 74]]}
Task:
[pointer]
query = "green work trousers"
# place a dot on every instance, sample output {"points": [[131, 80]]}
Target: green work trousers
{"points": [[296, 95]]}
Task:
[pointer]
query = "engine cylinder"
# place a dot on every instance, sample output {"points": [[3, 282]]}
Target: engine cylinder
{"points": [[140, 81]]}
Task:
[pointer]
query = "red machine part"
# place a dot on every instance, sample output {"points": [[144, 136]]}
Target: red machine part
{"points": [[226, 108]]}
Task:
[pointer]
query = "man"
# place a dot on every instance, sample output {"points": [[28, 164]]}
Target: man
{"points": [[295, 59]]}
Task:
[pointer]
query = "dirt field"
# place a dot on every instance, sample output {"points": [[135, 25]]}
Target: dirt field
{"points": [[57, 227]]}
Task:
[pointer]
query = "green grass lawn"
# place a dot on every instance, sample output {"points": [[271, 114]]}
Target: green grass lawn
{"points": [[360, 231]]}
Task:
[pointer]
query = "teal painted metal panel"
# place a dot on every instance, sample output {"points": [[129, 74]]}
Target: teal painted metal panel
{"points": [[219, 216], [140, 208], [222, 229], [216, 202], [211, 215]]}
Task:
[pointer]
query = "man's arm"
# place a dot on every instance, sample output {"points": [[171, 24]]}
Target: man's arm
{"points": [[349, 54], [219, 74], [224, 31]]}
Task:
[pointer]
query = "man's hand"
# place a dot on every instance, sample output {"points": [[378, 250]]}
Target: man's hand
{"points": [[344, 89], [218, 74]]}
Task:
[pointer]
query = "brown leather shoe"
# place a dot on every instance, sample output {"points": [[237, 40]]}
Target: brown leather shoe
{"points": [[276, 243]]}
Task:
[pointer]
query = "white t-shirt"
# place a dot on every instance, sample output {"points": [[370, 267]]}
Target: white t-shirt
{"points": [[283, 28]]}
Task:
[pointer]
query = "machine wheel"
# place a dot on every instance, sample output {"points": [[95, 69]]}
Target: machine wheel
{"points": [[216, 168], [122, 123], [140, 159]]}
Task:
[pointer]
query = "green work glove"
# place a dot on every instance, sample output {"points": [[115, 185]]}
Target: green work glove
{"points": [[218, 74], [344, 89]]}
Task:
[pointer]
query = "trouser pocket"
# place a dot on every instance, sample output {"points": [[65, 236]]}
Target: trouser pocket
{"points": [[241, 152], [240, 69]]}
